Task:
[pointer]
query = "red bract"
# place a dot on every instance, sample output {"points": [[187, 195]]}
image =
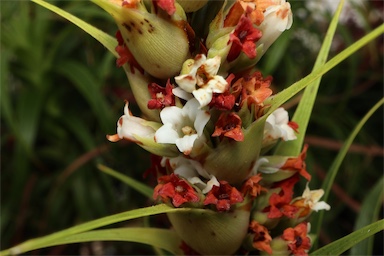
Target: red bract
{"points": [[280, 203], [223, 197], [298, 164], [252, 186], [298, 241], [161, 97], [262, 239], [243, 39], [125, 56], [229, 125], [171, 187]]}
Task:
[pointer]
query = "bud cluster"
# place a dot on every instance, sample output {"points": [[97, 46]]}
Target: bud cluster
{"points": [[192, 68]]}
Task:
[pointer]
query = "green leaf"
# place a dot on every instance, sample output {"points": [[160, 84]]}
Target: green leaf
{"points": [[369, 213], [341, 245], [331, 174], [280, 98], [304, 109], [138, 186], [45, 241], [108, 41], [159, 238]]}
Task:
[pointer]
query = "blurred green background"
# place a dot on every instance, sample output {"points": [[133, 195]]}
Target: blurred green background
{"points": [[61, 93]]}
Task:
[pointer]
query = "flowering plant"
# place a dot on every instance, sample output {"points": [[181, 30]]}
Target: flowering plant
{"points": [[226, 156]]}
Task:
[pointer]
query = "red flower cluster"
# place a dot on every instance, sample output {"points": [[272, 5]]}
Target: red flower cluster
{"points": [[223, 196], [229, 125], [298, 241], [298, 164], [161, 97], [261, 239], [171, 187]]}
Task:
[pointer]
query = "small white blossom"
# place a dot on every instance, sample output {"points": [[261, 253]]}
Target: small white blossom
{"points": [[311, 199], [202, 80], [277, 126], [130, 127], [192, 171], [182, 126]]}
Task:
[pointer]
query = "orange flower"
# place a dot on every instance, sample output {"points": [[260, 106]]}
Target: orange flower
{"points": [[298, 164], [229, 125], [298, 241], [223, 197], [262, 239], [252, 186]]}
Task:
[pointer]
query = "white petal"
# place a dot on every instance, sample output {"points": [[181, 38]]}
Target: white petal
{"points": [[201, 120], [180, 93], [212, 182], [166, 134], [172, 115], [186, 82], [203, 96], [185, 144]]}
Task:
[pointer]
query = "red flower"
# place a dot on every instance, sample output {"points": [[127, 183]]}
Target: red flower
{"points": [[225, 100], [172, 187], [161, 97], [223, 196], [280, 203], [243, 39], [262, 239], [298, 164], [298, 241], [252, 186], [125, 56], [155, 168], [229, 125]]}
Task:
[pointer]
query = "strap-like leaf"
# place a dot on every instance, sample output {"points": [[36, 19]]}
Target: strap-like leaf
{"points": [[108, 41], [280, 98], [327, 184], [304, 109], [138, 186], [160, 238], [45, 241], [343, 244], [369, 213]]}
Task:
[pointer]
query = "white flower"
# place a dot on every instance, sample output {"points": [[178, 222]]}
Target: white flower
{"points": [[202, 80], [277, 126], [130, 127], [182, 126], [277, 18], [191, 170], [312, 197]]}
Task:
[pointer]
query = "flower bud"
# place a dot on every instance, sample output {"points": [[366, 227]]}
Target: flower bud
{"points": [[160, 45]]}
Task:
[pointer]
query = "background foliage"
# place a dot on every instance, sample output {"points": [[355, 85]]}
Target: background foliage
{"points": [[61, 94]]}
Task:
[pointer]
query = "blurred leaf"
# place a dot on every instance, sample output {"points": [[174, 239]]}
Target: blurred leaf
{"points": [[45, 241], [277, 100], [108, 41], [160, 238], [343, 244], [369, 213], [304, 109], [332, 172], [88, 85], [138, 186]]}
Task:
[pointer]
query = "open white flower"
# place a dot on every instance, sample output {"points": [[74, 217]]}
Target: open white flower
{"points": [[277, 126], [182, 126], [202, 80], [131, 127], [311, 199], [192, 171]]}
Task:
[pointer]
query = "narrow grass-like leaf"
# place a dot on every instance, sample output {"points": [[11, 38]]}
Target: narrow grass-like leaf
{"points": [[108, 41], [369, 213], [304, 109], [159, 238], [341, 245], [280, 98], [331, 174], [138, 186], [45, 241]]}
